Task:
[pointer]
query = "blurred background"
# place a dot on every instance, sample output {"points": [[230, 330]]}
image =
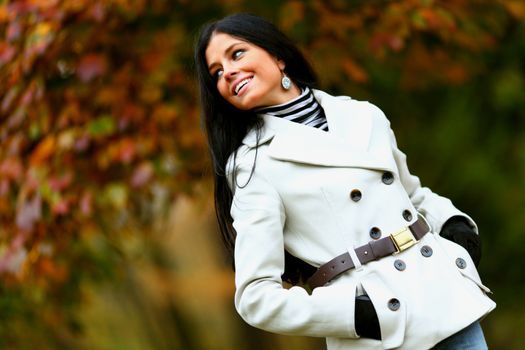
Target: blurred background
{"points": [[108, 238]]}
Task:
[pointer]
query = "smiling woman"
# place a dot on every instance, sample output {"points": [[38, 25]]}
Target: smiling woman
{"points": [[312, 189], [247, 76]]}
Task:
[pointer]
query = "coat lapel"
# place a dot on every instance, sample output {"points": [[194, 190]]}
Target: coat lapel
{"points": [[345, 145], [347, 119]]}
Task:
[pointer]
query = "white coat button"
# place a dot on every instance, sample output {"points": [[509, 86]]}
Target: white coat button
{"points": [[394, 304], [356, 195], [407, 215], [461, 263]]}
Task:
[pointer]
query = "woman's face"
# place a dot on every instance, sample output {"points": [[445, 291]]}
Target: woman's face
{"points": [[247, 76]]}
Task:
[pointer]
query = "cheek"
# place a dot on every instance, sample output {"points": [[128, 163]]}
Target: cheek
{"points": [[273, 76], [223, 89]]}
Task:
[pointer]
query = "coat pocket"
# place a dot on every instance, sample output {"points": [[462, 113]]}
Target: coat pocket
{"points": [[391, 310], [460, 257]]}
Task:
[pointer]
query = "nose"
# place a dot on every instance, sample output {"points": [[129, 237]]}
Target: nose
{"points": [[230, 72]]}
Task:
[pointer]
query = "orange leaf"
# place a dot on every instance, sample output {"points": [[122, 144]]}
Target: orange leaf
{"points": [[51, 269], [165, 114], [456, 74], [126, 150], [354, 71], [4, 14], [291, 14], [516, 8], [43, 151]]}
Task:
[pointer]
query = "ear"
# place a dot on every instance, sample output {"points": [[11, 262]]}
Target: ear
{"points": [[281, 64]]}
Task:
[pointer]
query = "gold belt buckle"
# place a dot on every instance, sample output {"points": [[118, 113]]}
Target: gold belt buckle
{"points": [[403, 240]]}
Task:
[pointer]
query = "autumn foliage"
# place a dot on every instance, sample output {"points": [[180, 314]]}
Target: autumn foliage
{"points": [[99, 123], [97, 114]]}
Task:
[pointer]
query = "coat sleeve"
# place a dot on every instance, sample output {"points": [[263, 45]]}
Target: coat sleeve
{"points": [[436, 209], [260, 298]]}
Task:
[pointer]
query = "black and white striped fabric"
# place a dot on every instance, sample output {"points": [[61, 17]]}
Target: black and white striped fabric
{"points": [[303, 109]]}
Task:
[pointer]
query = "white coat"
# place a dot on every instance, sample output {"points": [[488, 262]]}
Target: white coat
{"points": [[298, 199]]}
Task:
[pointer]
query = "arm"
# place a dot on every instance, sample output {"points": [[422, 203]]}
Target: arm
{"points": [[261, 300]]}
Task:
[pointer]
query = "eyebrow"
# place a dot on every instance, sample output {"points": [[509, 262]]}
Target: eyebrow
{"points": [[228, 49]]}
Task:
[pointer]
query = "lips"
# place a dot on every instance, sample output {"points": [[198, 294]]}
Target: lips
{"points": [[240, 84]]}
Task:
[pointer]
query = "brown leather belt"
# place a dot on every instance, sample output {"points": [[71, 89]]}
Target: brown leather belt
{"points": [[373, 250]]}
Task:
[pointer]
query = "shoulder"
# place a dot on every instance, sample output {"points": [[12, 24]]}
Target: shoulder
{"points": [[377, 113], [240, 157], [362, 107], [322, 96], [241, 164]]}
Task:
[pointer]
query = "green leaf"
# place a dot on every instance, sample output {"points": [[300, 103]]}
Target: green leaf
{"points": [[102, 126], [117, 195]]}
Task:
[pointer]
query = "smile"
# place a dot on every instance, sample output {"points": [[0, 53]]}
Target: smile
{"points": [[241, 84]]}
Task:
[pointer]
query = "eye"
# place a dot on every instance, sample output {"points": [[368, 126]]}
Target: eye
{"points": [[237, 53], [217, 74]]}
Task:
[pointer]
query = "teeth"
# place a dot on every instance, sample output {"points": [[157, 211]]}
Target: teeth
{"points": [[241, 84]]}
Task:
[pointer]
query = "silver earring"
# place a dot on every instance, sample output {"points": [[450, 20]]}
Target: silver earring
{"points": [[286, 82]]}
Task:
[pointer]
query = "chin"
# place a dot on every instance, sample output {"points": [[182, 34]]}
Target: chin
{"points": [[247, 105], [242, 107], [251, 100]]}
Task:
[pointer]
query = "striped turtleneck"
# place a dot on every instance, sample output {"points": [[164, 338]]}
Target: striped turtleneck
{"points": [[303, 109]]}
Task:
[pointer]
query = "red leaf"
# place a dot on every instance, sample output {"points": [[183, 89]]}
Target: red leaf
{"points": [[142, 174], [11, 168], [9, 98], [29, 213], [13, 260], [61, 207], [7, 52], [57, 184], [91, 66], [13, 31], [125, 151], [98, 11], [86, 203], [28, 95], [81, 144], [4, 188]]}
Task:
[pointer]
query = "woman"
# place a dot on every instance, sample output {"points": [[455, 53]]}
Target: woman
{"points": [[319, 180]]}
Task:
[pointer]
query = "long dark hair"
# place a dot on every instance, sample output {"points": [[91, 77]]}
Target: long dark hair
{"points": [[226, 126]]}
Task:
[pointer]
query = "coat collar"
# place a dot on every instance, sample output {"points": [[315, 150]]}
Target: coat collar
{"points": [[345, 144]]}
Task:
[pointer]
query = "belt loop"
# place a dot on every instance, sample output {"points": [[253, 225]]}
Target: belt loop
{"points": [[419, 215], [355, 259]]}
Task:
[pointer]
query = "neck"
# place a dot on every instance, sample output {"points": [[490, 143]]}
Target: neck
{"points": [[287, 95], [295, 90], [303, 110]]}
